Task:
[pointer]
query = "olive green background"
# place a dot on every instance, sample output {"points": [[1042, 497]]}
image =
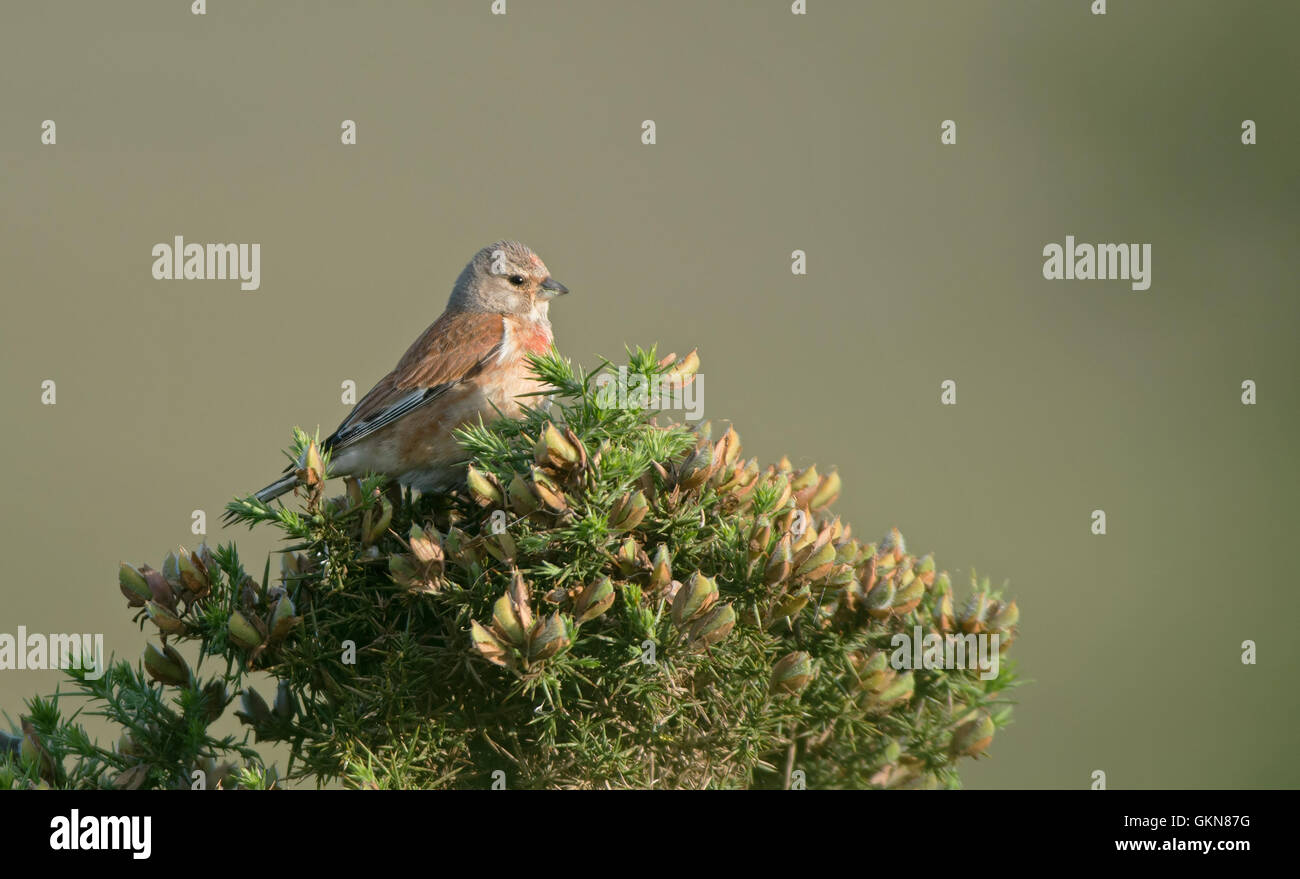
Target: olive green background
{"points": [[775, 133]]}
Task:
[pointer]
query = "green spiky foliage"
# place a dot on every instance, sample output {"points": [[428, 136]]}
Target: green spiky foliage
{"points": [[607, 602]]}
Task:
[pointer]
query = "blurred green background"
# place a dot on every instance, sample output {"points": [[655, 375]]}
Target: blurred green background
{"points": [[775, 132]]}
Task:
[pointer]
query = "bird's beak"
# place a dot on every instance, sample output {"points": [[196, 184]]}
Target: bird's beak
{"points": [[553, 288]]}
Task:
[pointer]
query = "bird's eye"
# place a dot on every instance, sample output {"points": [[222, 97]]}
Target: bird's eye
{"points": [[517, 280]]}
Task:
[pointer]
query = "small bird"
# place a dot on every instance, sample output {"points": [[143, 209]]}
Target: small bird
{"points": [[469, 363]]}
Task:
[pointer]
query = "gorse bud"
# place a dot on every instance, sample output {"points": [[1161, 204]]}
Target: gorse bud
{"points": [[828, 490], [281, 620], [1005, 617], [483, 488], [254, 710], [556, 449], [547, 638], [816, 560], [973, 735], [133, 585], [661, 573], [712, 627], [629, 557], [628, 511], [698, 467], [548, 493], [779, 564], [695, 597], [166, 666], [523, 500], [166, 621], [375, 524], [787, 605], [242, 632], [489, 646], [593, 600], [791, 673]]}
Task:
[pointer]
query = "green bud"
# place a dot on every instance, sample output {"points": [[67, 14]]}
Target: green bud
{"points": [[505, 619], [661, 574], [282, 620], [254, 710], [791, 673], [215, 698], [133, 585], [285, 704], [483, 488], [973, 735], [554, 449], [893, 545], [499, 544], [899, 690], [788, 605], [909, 596], [711, 628], [425, 547], [974, 616], [166, 666], [242, 632], [628, 511], [627, 558], [818, 562], [779, 563], [166, 621], [193, 577], [376, 525], [1005, 618], [827, 491], [594, 600], [159, 588], [523, 500], [548, 493], [488, 645], [880, 600], [925, 570], [171, 571], [698, 467], [695, 596], [547, 638]]}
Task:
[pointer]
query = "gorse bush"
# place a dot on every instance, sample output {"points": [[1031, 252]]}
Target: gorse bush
{"points": [[607, 602]]}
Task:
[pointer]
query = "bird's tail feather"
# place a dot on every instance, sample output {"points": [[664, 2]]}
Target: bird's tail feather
{"points": [[282, 485], [277, 488]]}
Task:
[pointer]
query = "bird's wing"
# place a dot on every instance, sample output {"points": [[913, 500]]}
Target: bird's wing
{"points": [[454, 349]]}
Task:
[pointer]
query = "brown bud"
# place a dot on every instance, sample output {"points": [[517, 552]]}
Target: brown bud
{"points": [[791, 673], [695, 597], [628, 511], [593, 600], [166, 666], [779, 563], [661, 573], [484, 488], [713, 626], [827, 492]]}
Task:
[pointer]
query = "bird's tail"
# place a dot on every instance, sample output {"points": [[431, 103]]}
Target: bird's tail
{"points": [[282, 485]]}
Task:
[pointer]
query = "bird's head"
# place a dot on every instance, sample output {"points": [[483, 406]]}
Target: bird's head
{"points": [[506, 278]]}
